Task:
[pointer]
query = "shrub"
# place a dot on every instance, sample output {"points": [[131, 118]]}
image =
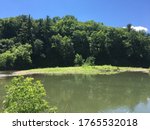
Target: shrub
{"points": [[90, 61], [78, 60], [25, 95]]}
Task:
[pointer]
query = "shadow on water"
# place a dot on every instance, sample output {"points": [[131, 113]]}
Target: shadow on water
{"points": [[124, 92]]}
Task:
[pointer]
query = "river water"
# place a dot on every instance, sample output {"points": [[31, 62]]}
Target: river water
{"points": [[124, 92]]}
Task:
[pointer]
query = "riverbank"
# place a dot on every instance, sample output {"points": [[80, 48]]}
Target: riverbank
{"points": [[91, 70]]}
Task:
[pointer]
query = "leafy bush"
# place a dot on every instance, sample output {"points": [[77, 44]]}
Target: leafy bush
{"points": [[78, 60], [90, 61], [25, 95]]}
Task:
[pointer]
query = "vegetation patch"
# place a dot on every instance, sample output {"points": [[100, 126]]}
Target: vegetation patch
{"points": [[91, 70], [27, 43], [25, 95]]}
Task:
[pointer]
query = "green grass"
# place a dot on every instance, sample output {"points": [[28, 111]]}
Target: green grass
{"points": [[91, 70]]}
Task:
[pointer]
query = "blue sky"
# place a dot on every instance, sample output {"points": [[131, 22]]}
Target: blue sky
{"points": [[117, 13]]}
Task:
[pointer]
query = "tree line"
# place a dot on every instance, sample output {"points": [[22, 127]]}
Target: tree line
{"points": [[49, 42]]}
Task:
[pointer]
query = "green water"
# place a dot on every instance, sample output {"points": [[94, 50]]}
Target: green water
{"points": [[125, 92]]}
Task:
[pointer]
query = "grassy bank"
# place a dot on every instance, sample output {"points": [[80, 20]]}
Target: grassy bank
{"points": [[92, 70]]}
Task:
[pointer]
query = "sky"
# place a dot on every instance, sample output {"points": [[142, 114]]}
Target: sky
{"points": [[116, 13]]}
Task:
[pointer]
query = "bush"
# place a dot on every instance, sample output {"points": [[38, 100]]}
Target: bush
{"points": [[78, 60], [90, 61], [25, 95]]}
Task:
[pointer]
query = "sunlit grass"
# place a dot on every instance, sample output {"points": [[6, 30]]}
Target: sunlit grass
{"points": [[91, 70]]}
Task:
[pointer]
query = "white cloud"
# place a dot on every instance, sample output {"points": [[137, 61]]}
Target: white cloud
{"points": [[139, 28]]}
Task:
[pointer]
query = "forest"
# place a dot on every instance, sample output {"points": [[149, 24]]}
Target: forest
{"points": [[27, 43]]}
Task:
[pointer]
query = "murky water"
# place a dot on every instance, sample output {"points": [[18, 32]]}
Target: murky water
{"points": [[125, 92]]}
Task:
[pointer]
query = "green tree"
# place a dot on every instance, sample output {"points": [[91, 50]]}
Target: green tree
{"points": [[81, 43], [38, 55], [9, 28], [22, 56], [25, 95], [25, 33], [63, 51], [18, 57], [116, 46], [139, 49], [6, 44], [66, 25], [98, 47], [7, 60], [39, 29]]}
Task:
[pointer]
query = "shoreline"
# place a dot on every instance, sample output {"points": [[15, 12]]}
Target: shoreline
{"points": [[85, 70]]}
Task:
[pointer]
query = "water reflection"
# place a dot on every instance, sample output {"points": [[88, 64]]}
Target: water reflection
{"points": [[139, 108], [125, 92]]}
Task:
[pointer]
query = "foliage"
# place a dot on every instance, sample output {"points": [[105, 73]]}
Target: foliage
{"points": [[30, 43], [7, 60], [25, 95], [90, 61], [78, 60], [6, 44], [17, 57], [63, 51]]}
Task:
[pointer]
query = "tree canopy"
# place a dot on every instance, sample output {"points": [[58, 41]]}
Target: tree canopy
{"points": [[30, 43]]}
